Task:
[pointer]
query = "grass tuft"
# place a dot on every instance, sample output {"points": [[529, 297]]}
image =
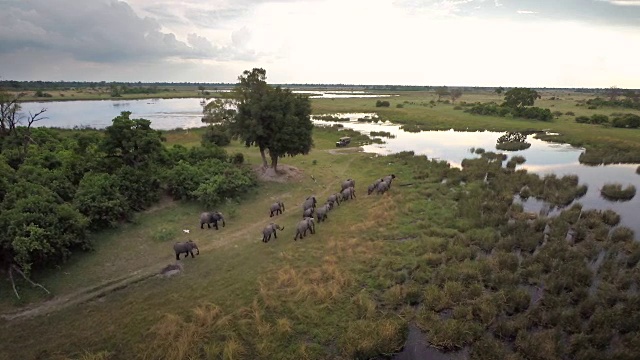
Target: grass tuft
{"points": [[615, 192]]}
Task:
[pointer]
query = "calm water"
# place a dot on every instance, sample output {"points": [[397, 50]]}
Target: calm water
{"points": [[165, 114], [542, 157]]}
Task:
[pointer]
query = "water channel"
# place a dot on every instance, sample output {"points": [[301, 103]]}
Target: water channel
{"points": [[453, 146]]}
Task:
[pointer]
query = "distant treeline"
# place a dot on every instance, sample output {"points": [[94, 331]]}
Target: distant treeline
{"points": [[14, 85]]}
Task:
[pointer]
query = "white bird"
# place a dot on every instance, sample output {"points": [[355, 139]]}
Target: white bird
{"points": [[185, 231]]}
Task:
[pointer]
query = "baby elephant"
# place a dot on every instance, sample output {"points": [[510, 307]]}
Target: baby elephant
{"points": [[270, 229], [334, 199], [277, 208], [303, 226], [307, 213], [185, 248], [373, 186]]}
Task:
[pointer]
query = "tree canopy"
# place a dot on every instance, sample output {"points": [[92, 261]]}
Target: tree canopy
{"points": [[273, 119], [520, 97]]}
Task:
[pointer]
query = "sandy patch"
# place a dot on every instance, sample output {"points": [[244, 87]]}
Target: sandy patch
{"points": [[284, 174]]}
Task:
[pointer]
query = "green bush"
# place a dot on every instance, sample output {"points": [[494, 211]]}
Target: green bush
{"points": [[599, 119], [630, 121], [215, 135], [99, 199], [237, 158], [570, 113], [382, 103], [583, 119]]}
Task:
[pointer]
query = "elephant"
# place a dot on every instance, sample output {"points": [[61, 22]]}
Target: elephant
{"points": [[373, 186], [307, 213], [270, 229], [388, 179], [303, 226], [211, 218], [348, 183], [321, 212], [185, 248], [277, 208], [310, 202], [382, 187], [334, 199], [348, 193]]}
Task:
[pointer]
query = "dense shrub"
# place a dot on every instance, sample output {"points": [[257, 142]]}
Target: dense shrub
{"points": [[493, 109], [533, 112], [215, 135], [382, 103], [630, 121], [38, 228], [583, 119], [99, 199], [622, 103], [570, 113], [599, 119]]}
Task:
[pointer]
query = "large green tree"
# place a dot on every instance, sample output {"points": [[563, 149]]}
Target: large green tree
{"points": [[132, 141], [520, 97], [291, 126], [272, 119]]}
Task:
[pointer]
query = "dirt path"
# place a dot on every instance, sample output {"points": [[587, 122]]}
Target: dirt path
{"points": [[250, 230]]}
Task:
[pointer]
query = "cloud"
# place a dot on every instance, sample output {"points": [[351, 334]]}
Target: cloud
{"points": [[623, 2], [526, 12], [616, 12], [102, 31]]}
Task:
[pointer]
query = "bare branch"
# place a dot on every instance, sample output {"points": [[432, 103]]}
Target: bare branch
{"points": [[13, 283], [29, 280], [35, 117]]}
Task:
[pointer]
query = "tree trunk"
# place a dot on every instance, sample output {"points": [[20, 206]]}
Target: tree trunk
{"points": [[264, 157], [274, 163]]}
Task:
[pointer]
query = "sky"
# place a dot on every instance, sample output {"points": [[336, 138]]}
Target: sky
{"points": [[536, 43]]}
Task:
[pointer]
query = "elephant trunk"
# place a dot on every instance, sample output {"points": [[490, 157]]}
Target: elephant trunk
{"points": [[282, 207], [223, 224]]}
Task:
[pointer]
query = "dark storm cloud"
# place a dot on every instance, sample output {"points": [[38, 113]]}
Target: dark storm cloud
{"points": [[96, 31], [610, 12]]}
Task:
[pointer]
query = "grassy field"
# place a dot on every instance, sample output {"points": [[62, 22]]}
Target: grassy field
{"points": [[415, 111], [455, 258], [99, 93]]}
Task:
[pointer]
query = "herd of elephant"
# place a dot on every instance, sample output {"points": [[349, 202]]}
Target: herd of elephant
{"points": [[310, 213]]}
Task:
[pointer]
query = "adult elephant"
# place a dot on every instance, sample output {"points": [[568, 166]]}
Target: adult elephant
{"points": [[309, 203], [270, 229], [382, 187], [388, 179], [321, 212], [277, 208], [348, 183], [348, 193], [185, 248], [303, 226], [211, 218]]}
